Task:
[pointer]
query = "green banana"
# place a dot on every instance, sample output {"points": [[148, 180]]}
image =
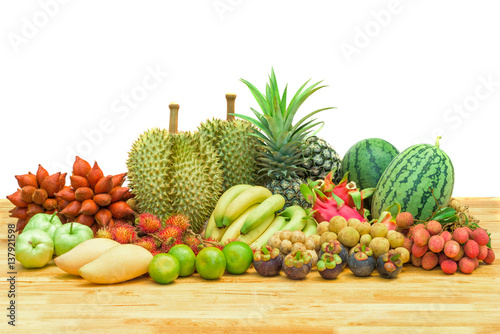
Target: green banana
{"points": [[227, 197], [233, 231], [256, 232], [295, 215], [310, 228], [210, 226], [243, 201], [278, 223], [264, 210]]}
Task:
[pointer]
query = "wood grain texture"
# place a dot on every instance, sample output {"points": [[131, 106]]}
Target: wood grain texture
{"points": [[418, 301]]}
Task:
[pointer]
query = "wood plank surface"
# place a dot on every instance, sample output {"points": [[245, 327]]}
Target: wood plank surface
{"points": [[418, 301]]}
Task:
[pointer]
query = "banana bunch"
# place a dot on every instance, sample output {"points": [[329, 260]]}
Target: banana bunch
{"points": [[243, 212], [248, 213]]}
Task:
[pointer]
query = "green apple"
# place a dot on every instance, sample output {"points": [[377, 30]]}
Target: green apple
{"points": [[34, 248], [69, 235], [45, 222]]}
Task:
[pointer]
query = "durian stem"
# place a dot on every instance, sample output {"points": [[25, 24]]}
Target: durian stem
{"points": [[174, 112], [230, 106]]}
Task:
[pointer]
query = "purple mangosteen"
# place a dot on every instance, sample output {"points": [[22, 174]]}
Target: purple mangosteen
{"points": [[297, 264], [267, 261], [329, 266], [361, 262], [389, 264]]}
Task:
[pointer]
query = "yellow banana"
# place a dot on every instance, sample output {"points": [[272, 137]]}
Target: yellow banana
{"points": [[256, 232], [210, 226], [264, 210], [227, 197], [243, 201], [218, 233], [278, 223], [233, 231]]}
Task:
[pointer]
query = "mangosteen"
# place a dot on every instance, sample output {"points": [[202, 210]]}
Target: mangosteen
{"points": [[330, 266], [335, 247], [361, 261], [389, 264], [297, 264], [267, 261]]}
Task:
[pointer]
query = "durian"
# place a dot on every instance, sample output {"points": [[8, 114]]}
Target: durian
{"points": [[234, 145], [175, 173]]}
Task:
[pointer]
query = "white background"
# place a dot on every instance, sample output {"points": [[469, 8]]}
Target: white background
{"points": [[398, 70]]}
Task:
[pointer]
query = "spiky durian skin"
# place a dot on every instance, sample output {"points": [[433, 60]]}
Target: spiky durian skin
{"points": [[175, 174], [236, 148]]}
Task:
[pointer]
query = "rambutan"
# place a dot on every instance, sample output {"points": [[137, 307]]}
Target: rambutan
{"points": [[169, 234], [148, 223], [103, 232], [124, 233], [216, 243], [191, 241], [148, 243], [181, 221]]}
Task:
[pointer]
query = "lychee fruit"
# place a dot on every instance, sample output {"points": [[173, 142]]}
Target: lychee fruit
{"points": [[429, 260], [468, 231], [480, 236], [408, 243], [446, 235], [421, 237], [442, 257], [471, 249], [436, 243], [466, 265], [461, 235], [460, 254], [124, 233], [433, 227], [419, 251], [181, 221], [148, 223], [476, 262], [404, 220], [416, 261], [490, 257], [483, 252], [451, 248], [449, 266]]}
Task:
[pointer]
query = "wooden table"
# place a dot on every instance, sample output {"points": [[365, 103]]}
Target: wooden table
{"points": [[418, 301]]}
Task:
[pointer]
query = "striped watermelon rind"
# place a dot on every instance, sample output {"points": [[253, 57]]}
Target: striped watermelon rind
{"points": [[367, 160], [408, 178]]}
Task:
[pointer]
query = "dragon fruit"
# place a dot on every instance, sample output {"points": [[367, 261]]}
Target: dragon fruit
{"points": [[330, 200]]}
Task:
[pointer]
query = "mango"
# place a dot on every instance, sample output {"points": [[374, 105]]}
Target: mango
{"points": [[83, 253], [117, 264]]}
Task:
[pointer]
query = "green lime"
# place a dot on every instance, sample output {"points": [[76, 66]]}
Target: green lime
{"points": [[164, 268], [186, 258], [210, 263], [239, 257]]}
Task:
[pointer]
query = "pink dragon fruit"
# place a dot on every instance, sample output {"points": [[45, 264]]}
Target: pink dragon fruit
{"points": [[330, 200]]}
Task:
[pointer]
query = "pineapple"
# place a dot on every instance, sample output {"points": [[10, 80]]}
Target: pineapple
{"points": [[320, 159], [281, 163]]}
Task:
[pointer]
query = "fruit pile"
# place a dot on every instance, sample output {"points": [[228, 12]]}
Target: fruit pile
{"points": [[431, 246], [262, 191]]}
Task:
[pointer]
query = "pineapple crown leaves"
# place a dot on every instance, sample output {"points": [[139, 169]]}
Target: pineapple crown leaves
{"points": [[276, 118]]}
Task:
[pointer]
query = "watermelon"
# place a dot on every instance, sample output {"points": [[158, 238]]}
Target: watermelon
{"points": [[367, 160], [408, 178]]}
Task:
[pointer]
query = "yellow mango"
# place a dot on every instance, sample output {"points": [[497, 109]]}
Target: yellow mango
{"points": [[83, 253], [117, 264]]}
